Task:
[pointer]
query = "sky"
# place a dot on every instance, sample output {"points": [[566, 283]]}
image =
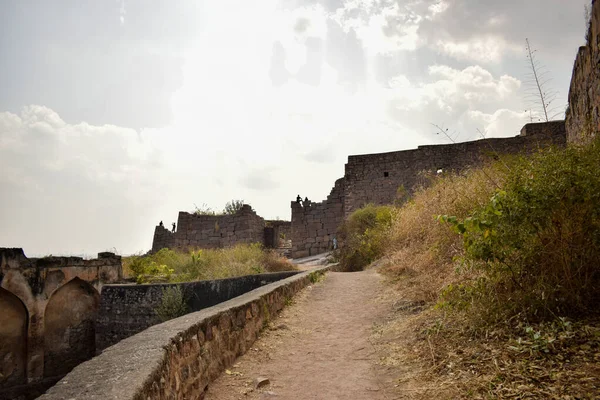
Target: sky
{"points": [[117, 114]]}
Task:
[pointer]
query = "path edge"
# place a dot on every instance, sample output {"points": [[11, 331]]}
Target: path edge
{"points": [[177, 359]]}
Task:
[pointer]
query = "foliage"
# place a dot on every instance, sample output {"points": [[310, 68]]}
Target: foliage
{"points": [[172, 304], [168, 265], [204, 209], [420, 251], [364, 236], [233, 206], [536, 242]]}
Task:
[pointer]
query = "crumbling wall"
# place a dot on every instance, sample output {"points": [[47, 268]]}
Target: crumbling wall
{"points": [[314, 225], [387, 177], [47, 311], [583, 113], [211, 231]]}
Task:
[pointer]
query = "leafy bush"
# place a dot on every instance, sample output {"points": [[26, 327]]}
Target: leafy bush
{"points": [[173, 304], [233, 207], [173, 266], [536, 242], [364, 236]]}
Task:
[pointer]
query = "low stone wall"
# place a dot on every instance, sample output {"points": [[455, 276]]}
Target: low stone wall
{"points": [[179, 358], [128, 309]]}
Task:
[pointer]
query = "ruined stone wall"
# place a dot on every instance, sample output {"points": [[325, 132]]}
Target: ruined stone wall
{"points": [[387, 177], [314, 225], [128, 309], [47, 311], [583, 114], [179, 358], [211, 231]]}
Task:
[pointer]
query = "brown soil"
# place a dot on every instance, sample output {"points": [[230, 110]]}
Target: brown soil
{"points": [[320, 347]]}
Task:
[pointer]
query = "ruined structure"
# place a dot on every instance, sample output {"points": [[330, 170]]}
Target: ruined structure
{"points": [[386, 177], [48, 308], [583, 114], [218, 231]]}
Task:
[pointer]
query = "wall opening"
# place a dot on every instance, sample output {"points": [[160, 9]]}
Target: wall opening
{"points": [[13, 340], [70, 332], [386, 174]]}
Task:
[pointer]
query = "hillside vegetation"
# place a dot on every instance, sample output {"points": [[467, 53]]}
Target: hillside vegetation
{"points": [[169, 265], [506, 260]]}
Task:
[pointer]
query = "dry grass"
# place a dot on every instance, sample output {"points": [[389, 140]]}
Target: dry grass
{"points": [[443, 353], [422, 250]]}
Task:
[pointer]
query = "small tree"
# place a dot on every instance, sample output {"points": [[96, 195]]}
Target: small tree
{"points": [[233, 207], [536, 88]]}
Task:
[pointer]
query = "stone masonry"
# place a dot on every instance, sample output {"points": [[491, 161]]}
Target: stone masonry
{"points": [[179, 358], [583, 114], [215, 231], [47, 311], [387, 177]]}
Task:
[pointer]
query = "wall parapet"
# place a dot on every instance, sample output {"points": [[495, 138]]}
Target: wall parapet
{"points": [[128, 309], [179, 358]]}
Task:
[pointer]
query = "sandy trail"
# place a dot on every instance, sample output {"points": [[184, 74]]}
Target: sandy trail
{"points": [[318, 347]]}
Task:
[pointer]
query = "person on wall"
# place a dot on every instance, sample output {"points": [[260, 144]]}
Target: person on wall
{"points": [[173, 227]]}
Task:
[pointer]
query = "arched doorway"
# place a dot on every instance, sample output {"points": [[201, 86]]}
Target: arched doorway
{"points": [[13, 340], [69, 335]]}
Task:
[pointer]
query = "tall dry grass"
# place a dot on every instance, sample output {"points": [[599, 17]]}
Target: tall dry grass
{"points": [[420, 249]]}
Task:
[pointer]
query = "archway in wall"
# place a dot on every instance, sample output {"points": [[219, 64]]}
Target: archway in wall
{"points": [[69, 335], [13, 340]]}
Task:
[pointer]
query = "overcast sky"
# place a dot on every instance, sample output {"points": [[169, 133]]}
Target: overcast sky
{"points": [[115, 115]]}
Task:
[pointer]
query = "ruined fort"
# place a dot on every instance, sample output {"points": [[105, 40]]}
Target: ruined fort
{"points": [[58, 312]]}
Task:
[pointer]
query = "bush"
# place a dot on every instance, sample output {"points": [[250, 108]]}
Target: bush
{"points": [[420, 250], [536, 242], [363, 236], [172, 304], [173, 266], [233, 206]]}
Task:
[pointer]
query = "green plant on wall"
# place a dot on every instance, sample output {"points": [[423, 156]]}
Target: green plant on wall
{"points": [[173, 303]]}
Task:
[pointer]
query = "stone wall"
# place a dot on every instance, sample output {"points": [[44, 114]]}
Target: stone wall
{"points": [[314, 225], [385, 178], [47, 311], [128, 309], [211, 231], [179, 358], [583, 114]]}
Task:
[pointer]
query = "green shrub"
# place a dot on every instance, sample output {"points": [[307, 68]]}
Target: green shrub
{"points": [[363, 236], [536, 242], [233, 206], [169, 265], [173, 304]]}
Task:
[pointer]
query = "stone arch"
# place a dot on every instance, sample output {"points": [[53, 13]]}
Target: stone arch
{"points": [[13, 340], [69, 334]]}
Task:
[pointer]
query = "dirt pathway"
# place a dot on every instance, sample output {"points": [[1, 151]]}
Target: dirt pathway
{"points": [[318, 348]]}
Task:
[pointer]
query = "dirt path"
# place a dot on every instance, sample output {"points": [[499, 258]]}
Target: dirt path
{"points": [[318, 348]]}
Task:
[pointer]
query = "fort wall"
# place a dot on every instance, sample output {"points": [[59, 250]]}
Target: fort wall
{"points": [[387, 178], [47, 318], [583, 113], [216, 231]]}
